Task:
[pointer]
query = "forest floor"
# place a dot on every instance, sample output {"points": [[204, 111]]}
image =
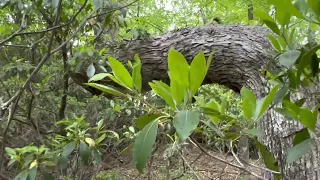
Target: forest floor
{"points": [[202, 166]]}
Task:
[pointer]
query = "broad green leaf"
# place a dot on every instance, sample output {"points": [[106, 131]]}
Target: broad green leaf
{"points": [[84, 152], [214, 105], [307, 118], [297, 151], [143, 144], [142, 121], [23, 175], [305, 60], [68, 148], [120, 72], [302, 6], [264, 103], [178, 91], [209, 61], [268, 159], [281, 94], [136, 73], [106, 89], [96, 156], [273, 26], [91, 70], [63, 161], [185, 122], [283, 17], [287, 113], [315, 6], [289, 58], [10, 151], [32, 173], [253, 132], [197, 72], [178, 67], [286, 6], [248, 102], [301, 136], [98, 77], [274, 42], [100, 139], [263, 15], [162, 90]]}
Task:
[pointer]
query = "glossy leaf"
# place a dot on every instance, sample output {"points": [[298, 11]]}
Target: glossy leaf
{"points": [[274, 42], [178, 91], [178, 67], [185, 122], [248, 102], [163, 90], [99, 77], [143, 144], [197, 72], [120, 72], [136, 73], [106, 89]]}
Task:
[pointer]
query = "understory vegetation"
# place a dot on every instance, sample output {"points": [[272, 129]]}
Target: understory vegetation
{"points": [[71, 109]]}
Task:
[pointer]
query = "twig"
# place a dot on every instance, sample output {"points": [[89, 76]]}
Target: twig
{"points": [[234, 154], [189, 166], [224, 161]]}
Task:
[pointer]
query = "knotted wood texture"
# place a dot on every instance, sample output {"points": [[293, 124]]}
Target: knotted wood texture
{"points": [[240, 52]]}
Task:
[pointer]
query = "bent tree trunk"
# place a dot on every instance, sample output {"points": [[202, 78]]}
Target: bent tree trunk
{"points": [[240, 52]]}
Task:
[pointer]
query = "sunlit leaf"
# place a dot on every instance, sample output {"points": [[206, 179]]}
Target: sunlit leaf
{"points": [[197, 72], [178, 67], [163, 90], [98, 77], [136, 73], [120, 72], [248, 102]]}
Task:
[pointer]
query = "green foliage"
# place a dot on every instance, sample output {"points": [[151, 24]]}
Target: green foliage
{"points": [[143, 144]]}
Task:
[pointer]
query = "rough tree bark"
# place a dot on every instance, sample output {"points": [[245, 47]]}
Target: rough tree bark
{"points": [[240, 52]]}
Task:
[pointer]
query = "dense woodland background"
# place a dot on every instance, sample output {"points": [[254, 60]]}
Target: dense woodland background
{"points": [[110, 89]]}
